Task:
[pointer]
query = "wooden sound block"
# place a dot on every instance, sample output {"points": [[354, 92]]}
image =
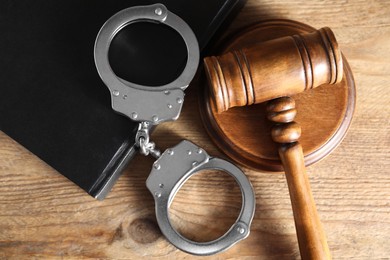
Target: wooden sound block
{"points": [[244, 133]]}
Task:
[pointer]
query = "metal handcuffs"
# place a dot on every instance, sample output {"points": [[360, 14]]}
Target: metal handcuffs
{"points": [[151, 106]]}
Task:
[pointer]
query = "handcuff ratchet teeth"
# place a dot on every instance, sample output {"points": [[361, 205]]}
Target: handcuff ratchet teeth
{"points": [[151, 106]]}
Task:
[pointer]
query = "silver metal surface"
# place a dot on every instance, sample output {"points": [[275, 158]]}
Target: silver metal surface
{"points": [[142, 103], [175, 166], [142, 141], [153, 105]]}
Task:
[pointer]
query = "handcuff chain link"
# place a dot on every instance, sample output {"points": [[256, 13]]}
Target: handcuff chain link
{"points": [[142, 140]]}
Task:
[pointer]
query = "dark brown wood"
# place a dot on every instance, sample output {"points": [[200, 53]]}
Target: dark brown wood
{"points": [[311, 236], [265, 71], [281, 67], [248, 141]]}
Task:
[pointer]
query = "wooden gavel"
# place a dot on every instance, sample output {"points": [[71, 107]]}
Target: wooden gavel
{"points": [[272, 71]]}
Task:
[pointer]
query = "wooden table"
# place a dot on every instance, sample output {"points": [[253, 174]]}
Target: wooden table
{"points": [[42, 214]]}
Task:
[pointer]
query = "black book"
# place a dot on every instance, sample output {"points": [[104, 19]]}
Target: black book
{"points": [[52, 100]]}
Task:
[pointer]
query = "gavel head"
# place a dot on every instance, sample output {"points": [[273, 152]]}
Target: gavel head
{"points": [[272, 69]]}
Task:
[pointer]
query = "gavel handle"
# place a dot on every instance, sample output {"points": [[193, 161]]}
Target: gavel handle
{"points": [[311, 237]]}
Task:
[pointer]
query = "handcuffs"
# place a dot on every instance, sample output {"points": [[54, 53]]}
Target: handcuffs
{"points": [[152, 106]]}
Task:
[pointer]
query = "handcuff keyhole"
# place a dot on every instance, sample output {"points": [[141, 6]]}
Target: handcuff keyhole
{"points": [[206, 206], [148, 53]]}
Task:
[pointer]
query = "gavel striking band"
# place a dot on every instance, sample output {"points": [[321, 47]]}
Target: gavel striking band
{"points": [[274, 70]]}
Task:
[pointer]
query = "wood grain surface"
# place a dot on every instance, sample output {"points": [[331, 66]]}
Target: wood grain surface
{"points": [[43, 215]]}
